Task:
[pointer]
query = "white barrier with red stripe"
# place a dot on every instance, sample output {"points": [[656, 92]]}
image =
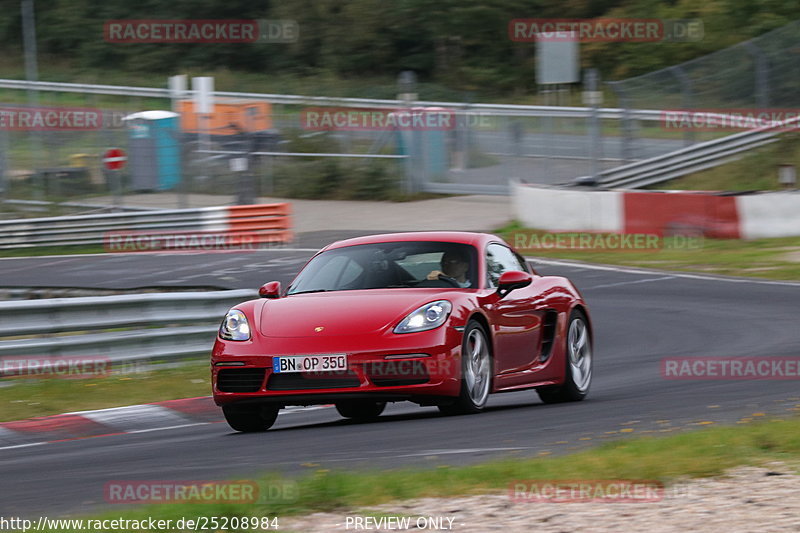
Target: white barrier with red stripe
{"points": [[747, 216]]}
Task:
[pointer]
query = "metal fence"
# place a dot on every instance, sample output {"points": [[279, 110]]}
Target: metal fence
{"points": [[120, 328], [486, 145], [760, 73]]}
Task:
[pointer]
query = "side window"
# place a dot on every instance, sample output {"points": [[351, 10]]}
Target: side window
{"points": [[501, 259]]}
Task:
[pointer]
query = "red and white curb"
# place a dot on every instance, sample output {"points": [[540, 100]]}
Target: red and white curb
{"points": [[743, 216], [171, 414]]}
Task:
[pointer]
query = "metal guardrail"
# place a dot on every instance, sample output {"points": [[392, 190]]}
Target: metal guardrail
{"points": [[685, 161], [121, 328], [268, 222], [495, 109], [41, 205]]}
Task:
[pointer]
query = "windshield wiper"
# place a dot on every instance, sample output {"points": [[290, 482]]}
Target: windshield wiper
{"points": [[309, 292]]}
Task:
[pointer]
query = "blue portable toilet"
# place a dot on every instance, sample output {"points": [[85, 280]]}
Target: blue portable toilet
{"points": [[154, 150]]}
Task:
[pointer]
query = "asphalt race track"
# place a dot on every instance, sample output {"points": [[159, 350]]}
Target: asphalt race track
{"points": [[639, 318]]}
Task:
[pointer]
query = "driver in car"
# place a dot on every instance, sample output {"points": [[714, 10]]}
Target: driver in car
{"points": [[455, 266]]}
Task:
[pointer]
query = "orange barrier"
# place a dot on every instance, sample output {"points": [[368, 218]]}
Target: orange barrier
{"points": [[230, 116], [268, 222]]}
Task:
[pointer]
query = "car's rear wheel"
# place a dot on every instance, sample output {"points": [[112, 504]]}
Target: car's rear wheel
{"points": [[476, 372], [251, 418], [578, 360], [360, 410]]}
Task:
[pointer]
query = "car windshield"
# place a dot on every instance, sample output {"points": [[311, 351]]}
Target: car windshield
{"points": [[390, 265]]}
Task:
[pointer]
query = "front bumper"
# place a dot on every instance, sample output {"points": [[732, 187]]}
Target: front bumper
{"points": [[422, 367]]}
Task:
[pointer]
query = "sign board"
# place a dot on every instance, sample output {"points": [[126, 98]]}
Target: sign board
{"points": [[787, 175], [238, 164], [557, 61], [592, 98], [114, 159]]}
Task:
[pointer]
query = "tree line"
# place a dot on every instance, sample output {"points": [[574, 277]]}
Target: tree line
{"points": [[461, 44]]}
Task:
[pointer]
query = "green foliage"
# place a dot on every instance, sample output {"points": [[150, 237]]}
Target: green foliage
{"points": [[463, 44]]}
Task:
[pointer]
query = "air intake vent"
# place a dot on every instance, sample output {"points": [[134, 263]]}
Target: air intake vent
{"points": [[240, 379], [548, 334]]}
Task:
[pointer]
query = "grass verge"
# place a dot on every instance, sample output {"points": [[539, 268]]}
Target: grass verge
{"points": [[52, 250], [27, 398], [777, 258], [699, 453]]}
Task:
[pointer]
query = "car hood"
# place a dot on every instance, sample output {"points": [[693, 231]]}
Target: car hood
{"points": [[342, 312]]}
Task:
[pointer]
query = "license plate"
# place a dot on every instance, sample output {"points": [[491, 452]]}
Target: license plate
{"points": [[309, 363]]}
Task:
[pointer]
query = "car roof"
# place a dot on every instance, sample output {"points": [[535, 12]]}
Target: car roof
{"points": [[461, 237]]}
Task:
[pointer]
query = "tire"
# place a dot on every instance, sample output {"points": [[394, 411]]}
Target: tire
{"points": [[578, 360], [476, 372], [250, 419], [362, 411]]}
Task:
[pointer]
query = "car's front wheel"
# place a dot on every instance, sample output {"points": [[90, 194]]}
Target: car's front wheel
{"points": [[578, 372], [360, 410], [251, 418], [476, 372]]}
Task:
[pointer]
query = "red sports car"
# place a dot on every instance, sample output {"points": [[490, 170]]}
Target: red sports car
{"points": [[436, 318]]}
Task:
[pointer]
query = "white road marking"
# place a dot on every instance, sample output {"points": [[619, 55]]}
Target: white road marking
{"points": [[168, 427], [647, 280], [27, 267], [22, 445], [643, 271], [290, 410], [464, 450]]}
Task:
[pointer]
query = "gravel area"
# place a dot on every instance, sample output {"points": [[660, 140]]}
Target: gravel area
{"points": [[746, 499]]}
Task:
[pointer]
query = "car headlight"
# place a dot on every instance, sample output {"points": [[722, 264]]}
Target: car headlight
{"points": [[429, 316], [235, 327]]}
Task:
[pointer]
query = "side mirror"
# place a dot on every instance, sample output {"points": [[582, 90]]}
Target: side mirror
{"points": [[270, 290], [513, 279]]}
